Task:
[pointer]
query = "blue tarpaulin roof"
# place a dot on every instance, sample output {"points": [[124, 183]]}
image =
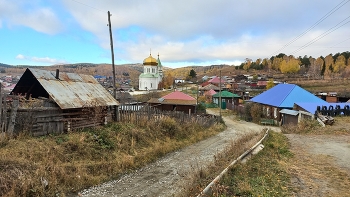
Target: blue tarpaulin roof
{"points": [[311, 107], [285, 95]]}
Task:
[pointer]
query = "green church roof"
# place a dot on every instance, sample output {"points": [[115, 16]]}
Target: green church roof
{"points": [[148, 75], [159, 63]]}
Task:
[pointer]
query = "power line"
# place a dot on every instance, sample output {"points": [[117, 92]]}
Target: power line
{"points": [[337, 26], [89, 6], [333, 46], [337, 7]]}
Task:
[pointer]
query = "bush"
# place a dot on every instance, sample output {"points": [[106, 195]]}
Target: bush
{"points": [[256, 112], [304, 126]]}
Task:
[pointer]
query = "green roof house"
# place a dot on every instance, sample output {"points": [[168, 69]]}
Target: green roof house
{"points": [[228, 99]]}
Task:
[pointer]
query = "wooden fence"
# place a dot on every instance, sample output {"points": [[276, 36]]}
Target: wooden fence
{"points": [[141, 114], [41, 118]]}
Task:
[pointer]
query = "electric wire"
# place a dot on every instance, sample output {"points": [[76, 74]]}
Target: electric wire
{"points": [[337, 7], [333, 46], [337, 26], [89, 6]]}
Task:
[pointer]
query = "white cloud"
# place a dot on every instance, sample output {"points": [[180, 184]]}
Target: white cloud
{"points": [[30, 14], [20, 57], [47, 60], [41, 59], [206, 30], [191, 31]]}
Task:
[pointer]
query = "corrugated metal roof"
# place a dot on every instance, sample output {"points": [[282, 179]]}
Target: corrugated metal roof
{"points": [[290, 112], [73, 90], [285, 95]]}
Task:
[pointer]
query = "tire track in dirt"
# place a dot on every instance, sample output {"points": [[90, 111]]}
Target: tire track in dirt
{"points": [[167, 176]]}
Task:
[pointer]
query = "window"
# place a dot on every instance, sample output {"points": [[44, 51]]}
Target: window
{"points": [[151, 85], [153, 70], [275, 113]]}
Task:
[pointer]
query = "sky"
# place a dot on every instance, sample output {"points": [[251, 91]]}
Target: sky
{"points": [[182, 32]]}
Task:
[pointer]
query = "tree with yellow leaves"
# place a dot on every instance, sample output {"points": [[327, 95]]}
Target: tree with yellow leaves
{"points": [[168, 79], [339, 64], [247, 64], [291, 66], [270, 84]]}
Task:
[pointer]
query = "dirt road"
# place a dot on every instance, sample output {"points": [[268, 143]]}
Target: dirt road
{"points": [[166, 177], [320, 165]]}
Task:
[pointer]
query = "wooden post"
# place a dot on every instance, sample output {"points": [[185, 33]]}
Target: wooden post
{"points": [[220, 95], [12, 119], [4, 114], [1, 113], [113, 67]]}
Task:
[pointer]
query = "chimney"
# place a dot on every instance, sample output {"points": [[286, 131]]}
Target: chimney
{"points": [[57, 74]]}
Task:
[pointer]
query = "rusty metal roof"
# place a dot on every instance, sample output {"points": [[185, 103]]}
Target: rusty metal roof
{"points": [[73, 90]]}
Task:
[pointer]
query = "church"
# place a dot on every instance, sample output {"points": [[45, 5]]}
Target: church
{"points": [[152, 74]]}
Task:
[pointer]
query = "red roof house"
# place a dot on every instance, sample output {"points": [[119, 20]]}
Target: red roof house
{"points": [[216, 80], [209, 95], [175, 101]]}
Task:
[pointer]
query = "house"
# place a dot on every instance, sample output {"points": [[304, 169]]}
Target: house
{"points": [[179, 80], [209, 87], [332, 97], [228, 99], [216, 81], [283, 96], [262, 84], [69, 100], [209, 95], [175, 101]]}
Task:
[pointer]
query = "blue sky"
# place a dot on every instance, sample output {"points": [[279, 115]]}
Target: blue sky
{"points": [[184, 33]]}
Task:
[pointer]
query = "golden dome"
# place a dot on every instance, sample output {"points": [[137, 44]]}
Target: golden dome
{"points": [[150, 61]]}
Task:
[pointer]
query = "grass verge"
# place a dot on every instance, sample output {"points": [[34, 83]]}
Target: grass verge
{"points": [[265, 174], [60, 165]]}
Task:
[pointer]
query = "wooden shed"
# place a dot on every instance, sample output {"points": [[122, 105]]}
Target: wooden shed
{"points": [[64, 101], [289, 117]]}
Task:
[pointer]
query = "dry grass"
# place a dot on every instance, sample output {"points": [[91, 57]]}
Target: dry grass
{"points": [[334, 85], [316, 175], [340, 126], [57, 165], [201, 177], [262, 175]]}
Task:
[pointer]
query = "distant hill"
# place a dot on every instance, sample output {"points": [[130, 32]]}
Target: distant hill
{"points": [[4, 65], [127, 71]]}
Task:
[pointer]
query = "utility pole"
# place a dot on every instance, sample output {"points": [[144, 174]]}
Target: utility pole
{"points": [[113, 67], [220, 94]]}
